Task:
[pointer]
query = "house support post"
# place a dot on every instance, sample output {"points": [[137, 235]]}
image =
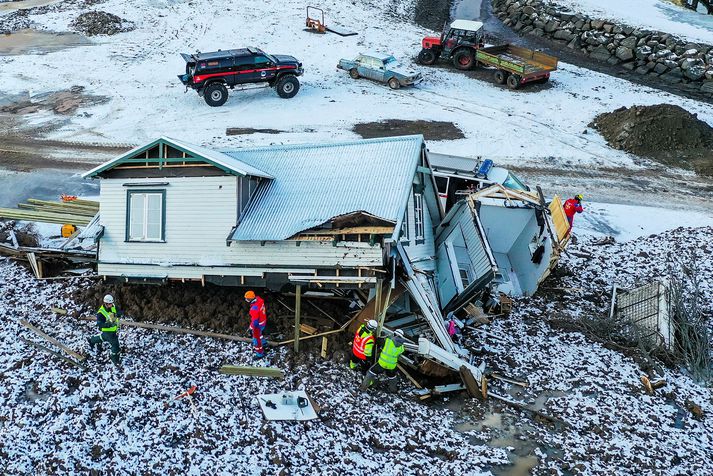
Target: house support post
{"points": [[377, 303], [298, 305]]}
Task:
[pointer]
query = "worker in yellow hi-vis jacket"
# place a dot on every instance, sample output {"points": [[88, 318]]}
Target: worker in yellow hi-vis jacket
{"points": [[388, 360]]}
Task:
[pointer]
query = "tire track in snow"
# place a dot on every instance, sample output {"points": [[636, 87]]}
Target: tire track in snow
{"points": [[537, 127]]}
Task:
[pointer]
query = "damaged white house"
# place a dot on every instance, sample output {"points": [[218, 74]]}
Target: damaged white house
{"points": [[357, 214]]}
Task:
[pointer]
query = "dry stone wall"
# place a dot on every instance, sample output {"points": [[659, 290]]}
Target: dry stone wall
{"points": [[646, 52]]}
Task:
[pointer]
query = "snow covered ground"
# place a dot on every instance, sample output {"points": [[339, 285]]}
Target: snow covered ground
{"points": [[138, 69], [661, 15], [629, 222], [60, 419]]}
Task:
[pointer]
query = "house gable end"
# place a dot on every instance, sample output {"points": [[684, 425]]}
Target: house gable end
{"points": [[165, 157]]}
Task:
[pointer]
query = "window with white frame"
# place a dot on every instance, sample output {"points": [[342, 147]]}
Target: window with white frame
{"points": [[145, 215], [418, 217]]}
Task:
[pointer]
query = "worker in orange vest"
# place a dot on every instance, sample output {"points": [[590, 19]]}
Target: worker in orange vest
{"points": [[571, 207], [258, 321], [363, 346]]}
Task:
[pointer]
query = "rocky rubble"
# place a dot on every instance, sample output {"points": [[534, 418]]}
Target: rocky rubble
{"points": [[646, 52], [101, 23]]}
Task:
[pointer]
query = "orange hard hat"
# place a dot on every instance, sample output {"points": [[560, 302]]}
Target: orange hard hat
{"points": [[250, 295]]}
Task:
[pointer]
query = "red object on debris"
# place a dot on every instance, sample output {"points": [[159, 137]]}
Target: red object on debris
{"points": [[187, 392], [68, 198]]}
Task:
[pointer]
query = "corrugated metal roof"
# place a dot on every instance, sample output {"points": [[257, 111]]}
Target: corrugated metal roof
{"points": [[317, 182]]}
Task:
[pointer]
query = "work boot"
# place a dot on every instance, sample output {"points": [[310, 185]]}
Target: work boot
{"points": [[93, 347], [115, 359], [393, 384], [368, 380]]}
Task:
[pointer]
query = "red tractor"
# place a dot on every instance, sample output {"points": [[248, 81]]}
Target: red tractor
{"points": [[458, 44]]}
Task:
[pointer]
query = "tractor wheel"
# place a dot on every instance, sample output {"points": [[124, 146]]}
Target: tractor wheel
{"points": [[501, 76], [287, 86], [427, 57], [513, 81], [215, 94], [354, 73], [463, 59], [394, 83]]}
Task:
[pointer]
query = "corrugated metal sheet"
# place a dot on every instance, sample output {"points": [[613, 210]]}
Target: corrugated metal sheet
{"points": [[92, 230], [317, 182]]}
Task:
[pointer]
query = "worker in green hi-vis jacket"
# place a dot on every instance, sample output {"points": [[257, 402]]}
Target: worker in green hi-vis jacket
{"points": [[108, 323]]}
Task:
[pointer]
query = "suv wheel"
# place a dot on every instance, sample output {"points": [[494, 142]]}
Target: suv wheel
{"points": [[215, 94], [287, 86], [354, 73], [394, 83]]}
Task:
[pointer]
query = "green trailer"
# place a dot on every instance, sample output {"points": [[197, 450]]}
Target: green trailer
{"points": [[516, 65]]}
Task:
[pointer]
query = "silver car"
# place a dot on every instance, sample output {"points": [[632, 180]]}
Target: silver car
{"points": [[382, 68]]}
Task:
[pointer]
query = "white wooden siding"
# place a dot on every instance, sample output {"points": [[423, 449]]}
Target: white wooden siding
{"points": [[422, 255], [200, 213]]}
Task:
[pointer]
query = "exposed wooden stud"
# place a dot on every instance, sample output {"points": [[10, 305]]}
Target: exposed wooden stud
{"points": [[408, 376], [298, 304]]}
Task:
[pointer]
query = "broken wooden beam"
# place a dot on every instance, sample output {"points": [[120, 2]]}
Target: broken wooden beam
{"points": [[180, 330], [272, 372], [474, 389], [53, 341], [53, 353], [409, 377], [513, 381]]}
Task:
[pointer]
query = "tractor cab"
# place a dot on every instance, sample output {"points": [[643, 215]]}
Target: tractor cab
{"points": [[460, 35]]}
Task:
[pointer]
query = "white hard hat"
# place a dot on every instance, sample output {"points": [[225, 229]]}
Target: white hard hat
{"points": [[372, 324], [399, 333], [109, 299]]}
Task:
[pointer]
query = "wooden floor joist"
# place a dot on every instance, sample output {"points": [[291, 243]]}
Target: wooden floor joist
{"points": [[252, 371], [53, 353], [53, 341], [180, 330]]}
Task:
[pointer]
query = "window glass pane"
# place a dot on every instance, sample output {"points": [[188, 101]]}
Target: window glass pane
{"points": [[145, 216], [153, 216], [136, 216]]}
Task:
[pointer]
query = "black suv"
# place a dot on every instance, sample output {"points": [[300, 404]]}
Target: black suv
{"points": [[211, 74]]}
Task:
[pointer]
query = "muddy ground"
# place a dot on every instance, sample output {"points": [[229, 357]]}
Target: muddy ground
{"points": [[666, 133], [213, 308], [431, 130]]}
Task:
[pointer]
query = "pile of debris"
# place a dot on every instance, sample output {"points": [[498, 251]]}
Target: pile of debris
{"points": [[662, 132], [101, 23], [63, 102]]}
